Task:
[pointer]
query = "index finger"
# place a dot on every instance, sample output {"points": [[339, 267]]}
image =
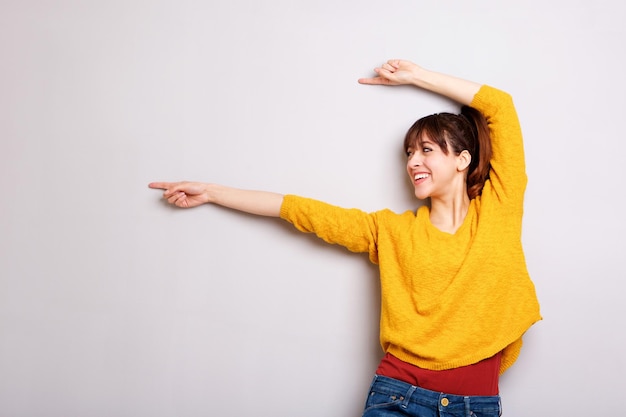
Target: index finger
{"points": [[160, 185], [376, 81]]}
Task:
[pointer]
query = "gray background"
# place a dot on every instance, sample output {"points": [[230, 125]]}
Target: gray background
{"points": [[114, 304]]}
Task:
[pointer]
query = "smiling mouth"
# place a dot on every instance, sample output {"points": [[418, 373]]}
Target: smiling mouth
{"points": [[419, 177]]}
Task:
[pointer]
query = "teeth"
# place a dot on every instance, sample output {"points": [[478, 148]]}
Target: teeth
{"points": [[421, 176]]}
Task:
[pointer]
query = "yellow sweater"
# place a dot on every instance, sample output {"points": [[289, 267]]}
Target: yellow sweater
{"points": [[448, 300]]}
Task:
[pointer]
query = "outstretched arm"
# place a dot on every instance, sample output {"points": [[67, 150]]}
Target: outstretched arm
{"points": [[400, 72], [192, 194]]}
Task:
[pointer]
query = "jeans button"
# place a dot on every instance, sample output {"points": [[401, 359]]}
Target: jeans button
{"points": [[445, 402]]}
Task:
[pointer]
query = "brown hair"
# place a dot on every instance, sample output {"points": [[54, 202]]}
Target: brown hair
{"points": [[466, 131]]}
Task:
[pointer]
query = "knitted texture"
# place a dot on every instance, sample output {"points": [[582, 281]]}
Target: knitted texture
{"points": [[448, 300]]}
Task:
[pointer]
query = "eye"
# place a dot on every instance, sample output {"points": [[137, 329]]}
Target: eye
{"points": [[426, 149], [408, 153]]}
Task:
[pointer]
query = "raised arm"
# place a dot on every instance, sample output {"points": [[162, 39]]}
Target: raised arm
{"points": [[400, 72], [192, 194]]}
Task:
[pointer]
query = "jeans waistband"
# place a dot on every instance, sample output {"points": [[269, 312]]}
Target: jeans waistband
{"points": [[433, 399]]}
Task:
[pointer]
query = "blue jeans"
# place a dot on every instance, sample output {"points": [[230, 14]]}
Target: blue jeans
{"points": [[389, 397]]}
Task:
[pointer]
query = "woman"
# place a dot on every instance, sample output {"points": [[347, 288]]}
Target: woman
{"points": [[456, 294]]}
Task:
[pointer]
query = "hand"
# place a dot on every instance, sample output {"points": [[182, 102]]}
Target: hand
{"points": [[394, 72], [183, 194]]}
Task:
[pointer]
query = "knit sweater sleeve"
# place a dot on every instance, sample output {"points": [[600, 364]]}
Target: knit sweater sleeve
{"points": [[352, 228], [507, 177], [501, 205]]}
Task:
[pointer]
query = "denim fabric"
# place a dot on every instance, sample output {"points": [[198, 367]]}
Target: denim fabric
{"points": [[389, 397]]}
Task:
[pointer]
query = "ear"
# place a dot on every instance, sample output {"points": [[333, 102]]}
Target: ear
{"points": [[463, 160]]}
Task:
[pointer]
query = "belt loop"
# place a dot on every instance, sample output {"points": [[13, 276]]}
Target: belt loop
{"points": [[468, 407], [407, 397]]}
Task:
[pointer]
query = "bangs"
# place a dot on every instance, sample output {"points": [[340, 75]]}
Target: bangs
{"points": [[427, 128]]}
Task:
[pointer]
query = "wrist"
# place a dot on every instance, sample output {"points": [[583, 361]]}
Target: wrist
{"points": [[211, 192], [423, 78]]}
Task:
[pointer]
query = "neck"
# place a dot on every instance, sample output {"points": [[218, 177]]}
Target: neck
{"points": [[448, 214]]}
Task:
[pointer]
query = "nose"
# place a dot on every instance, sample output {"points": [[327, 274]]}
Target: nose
{"points": [[414, 160]]}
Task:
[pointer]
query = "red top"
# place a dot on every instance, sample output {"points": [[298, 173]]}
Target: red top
{"points": [[477, 379]]}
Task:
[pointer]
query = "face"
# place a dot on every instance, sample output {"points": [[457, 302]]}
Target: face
{"points": [[434, 173]]}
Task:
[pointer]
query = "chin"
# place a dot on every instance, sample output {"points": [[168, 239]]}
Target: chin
{"points": [[421, 195]]}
